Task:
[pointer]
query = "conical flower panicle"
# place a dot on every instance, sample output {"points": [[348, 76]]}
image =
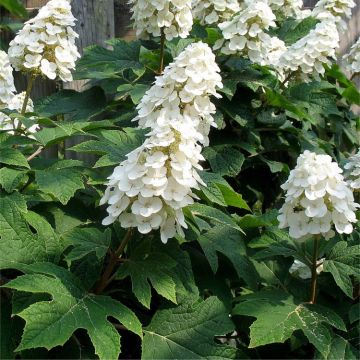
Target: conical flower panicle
{"points": [[210, 12], [7, 87], [174, 16], [289, 8], [352, 173], [308, 55], [182, 94], [246, 33], [151, 187], [318, 200], [46, 44], [337, 9]]}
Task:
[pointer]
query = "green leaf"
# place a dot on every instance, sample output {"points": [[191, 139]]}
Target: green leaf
{"points": [[20, 244], [276, 242], [182, 274], [187, 332], [59, 181], [219, 191], [100, 63], [51, 323], [232, 198], [340, 349], [278, 315], [86, 241], [275, 166], [228, 241], [280, 101], [14, 7], [354, 313], [293, 30], [224, 159], [146, 267], [14, 157], [342, 262], [136, 91], [76, 105], [254, 221], [269, 118], [10, 179], [113, 145], [213, 215], [177, 46], [313, 97]]}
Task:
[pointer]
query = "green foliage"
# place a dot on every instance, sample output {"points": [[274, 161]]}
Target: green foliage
{"points": [[25, 236], [14, 7], [233, 259], [228, 241], [343, 262], [160, 278], [278, 316], [187, 332], [50, 324], [85, 241], [60, 180]]}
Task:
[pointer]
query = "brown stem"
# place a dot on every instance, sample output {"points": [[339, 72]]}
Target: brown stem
{"points": [[353, 76], [314, 272], [114, 258], [36, 153], [27, 94], [287, 78], [162, 50]]}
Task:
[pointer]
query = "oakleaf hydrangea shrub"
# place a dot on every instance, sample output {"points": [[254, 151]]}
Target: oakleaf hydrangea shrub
{"points": [[210, 207]]}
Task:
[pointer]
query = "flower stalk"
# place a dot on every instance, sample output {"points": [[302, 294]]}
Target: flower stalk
{"points": [[314, 271], [162, 51], [30, 84], [114, 259]]}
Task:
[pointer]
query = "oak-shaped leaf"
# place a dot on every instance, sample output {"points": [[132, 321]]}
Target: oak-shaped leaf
{"points": [[278, 315], [229, 242], [85, 241], [61, 180], [165, 267], [25, 236], [340, 349], [52, 323], [187, 331], [343, 262]]}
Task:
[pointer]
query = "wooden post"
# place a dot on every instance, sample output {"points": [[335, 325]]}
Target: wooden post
{"points": [[95, 24]]}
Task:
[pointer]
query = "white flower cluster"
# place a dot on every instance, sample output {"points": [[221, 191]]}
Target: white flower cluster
{"points": [[210, 12], [7, 87], [352, 59], [288, 8], [245, 33], [303, 271], [353, 171], [46, 44], [308, 55], [317, 197], [150, 16], [151, 187], [15, 104], [8, 98], [336, 9]]}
